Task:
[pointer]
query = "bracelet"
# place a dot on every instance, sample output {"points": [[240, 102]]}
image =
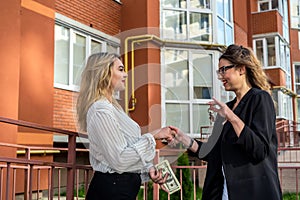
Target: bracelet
{"points": [[191, 144]]}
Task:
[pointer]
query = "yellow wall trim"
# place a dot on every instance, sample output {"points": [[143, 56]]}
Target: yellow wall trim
{"points": [[38, 8]]}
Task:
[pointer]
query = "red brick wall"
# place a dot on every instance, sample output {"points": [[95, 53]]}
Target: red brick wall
{"points": [[103, 15], [266, 22], [276, 76], [64, 109], [295, 49], [241, 28], [240, 36]]}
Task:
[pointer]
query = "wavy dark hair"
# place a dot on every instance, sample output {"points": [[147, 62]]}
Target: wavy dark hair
{"points": [[243, 56]]}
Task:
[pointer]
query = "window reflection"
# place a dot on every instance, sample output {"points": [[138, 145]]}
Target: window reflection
{"points": [[271, 51], [178, 115], [297, 78], [295, 13], [96, 46], [187, 20], [259, 51], [176, 75], [203, 4], [174, 3], [200, 118], [79, 56], [61, 67], [202, 76], [174, 26], [200, 28]]}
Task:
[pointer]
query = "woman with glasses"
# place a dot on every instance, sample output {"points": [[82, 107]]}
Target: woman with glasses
{"points": [[243, 161], [120, 156]]}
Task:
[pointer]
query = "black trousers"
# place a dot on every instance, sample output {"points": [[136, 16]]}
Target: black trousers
{"points": [[114, 186]]}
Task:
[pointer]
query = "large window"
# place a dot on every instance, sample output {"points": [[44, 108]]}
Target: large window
{"points": [[188, 84], [224, 22], [265, 5], [187, 20], [284, 107], [297, 78], [73, 44], [295, 14], [195, 20], [273, 52], [298, 113]]}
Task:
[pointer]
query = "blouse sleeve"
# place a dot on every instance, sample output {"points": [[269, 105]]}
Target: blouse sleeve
{"points": [[107, 141], [256, 137]]}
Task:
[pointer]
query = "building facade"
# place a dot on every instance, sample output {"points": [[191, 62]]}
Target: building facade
{"points": [[170, 49]]}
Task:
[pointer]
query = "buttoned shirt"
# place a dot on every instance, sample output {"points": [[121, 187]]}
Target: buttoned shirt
{"points": [[115, 141]]}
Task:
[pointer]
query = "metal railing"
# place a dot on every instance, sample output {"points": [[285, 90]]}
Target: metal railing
{"points": [[10, 165], [71, 178]]}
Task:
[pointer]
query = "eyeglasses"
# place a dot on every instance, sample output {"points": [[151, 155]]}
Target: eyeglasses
{"points": [[223, 69]]}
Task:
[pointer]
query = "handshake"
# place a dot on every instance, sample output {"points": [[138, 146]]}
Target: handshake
{"points": [[162, 174], [173, 135]]}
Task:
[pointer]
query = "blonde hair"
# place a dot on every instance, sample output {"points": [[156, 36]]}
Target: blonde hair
{"points": [[95, 84], [242, 56]]}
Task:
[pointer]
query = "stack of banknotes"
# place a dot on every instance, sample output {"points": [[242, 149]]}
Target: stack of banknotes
{"points": [[172, 184]]}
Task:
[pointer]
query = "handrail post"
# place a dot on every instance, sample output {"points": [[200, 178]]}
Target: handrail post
{"points": [[71, 170], [156, 186]]}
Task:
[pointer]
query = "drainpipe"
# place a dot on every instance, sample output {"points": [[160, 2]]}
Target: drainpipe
{"points": [[160, 42]]}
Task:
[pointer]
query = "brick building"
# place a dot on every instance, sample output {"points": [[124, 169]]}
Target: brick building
{"points": [[169, 47]]}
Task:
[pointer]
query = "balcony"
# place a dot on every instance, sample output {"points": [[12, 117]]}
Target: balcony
{"points": [[267, 22]]}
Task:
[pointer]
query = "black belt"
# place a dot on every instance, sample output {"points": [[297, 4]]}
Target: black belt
{"points": [[116, 174]]}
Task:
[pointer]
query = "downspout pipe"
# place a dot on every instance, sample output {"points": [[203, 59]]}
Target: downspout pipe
{"points": [[158, 41]]}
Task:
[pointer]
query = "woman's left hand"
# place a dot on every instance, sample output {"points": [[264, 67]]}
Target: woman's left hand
{"points": [[158, 178], [219, 107]]}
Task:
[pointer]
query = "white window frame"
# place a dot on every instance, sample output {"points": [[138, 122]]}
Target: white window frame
{"points": [[90, 34], [296, 83], [280, 7], [216, 85], [225, 22], [297, 16], [284, 112], [188, 12]]}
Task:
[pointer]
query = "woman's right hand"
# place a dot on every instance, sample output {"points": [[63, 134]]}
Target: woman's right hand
{"points": [[164, 133]]}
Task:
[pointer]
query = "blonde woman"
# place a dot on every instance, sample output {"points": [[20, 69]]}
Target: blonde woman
{"points": [[243, 162], [120, 156]]}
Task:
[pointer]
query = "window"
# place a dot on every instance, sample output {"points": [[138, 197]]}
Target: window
{"points": [[224, 22], [193, 20], [265, 5], [295, 14], [273, 52], [283, 104], [73, 44], [297, 78], [188, 80], [187, 20], [298, 112], [265, 50]]}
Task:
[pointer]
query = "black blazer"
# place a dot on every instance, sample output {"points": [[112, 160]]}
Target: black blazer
{"points": [[250, 161]]}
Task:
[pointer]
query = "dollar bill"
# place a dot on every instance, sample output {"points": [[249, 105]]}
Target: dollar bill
{"points": [[172, 184]]}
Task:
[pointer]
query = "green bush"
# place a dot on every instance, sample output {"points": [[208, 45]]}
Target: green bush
{"points": [[290, 196], [187, 186]]}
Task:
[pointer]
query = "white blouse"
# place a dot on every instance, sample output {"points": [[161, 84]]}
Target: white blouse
{"points": [[116, 143]]}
